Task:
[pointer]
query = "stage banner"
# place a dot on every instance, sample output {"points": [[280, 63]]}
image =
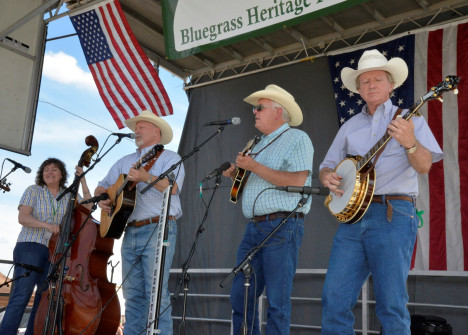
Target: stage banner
{"points": [[194, 26]]}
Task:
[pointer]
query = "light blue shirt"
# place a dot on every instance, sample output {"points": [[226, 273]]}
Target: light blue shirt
{"points": [[149, 204], [292, 152], [358, 135], [45, 209]]}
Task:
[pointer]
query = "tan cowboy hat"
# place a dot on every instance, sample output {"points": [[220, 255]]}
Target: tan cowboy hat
{"points": [[281, 96], [166, 130], [372, 60]]}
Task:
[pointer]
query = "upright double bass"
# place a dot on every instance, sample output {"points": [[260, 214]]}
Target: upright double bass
{"points": [[78, 285]]}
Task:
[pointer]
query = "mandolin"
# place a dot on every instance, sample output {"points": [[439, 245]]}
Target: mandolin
{"points": [[241, 174]]}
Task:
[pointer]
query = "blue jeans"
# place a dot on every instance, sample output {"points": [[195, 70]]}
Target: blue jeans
{"points": [[274, 267], [372, 245], [32, 254], [138, 271]]}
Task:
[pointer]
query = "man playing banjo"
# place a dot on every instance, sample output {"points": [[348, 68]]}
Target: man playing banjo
{"points": [[382, 241]]}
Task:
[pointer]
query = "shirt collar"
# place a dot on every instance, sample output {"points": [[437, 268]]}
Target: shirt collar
{"points": [[275, 133], [142, 152], [384, 108]]}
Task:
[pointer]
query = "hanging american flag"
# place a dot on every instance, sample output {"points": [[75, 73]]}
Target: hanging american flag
{"points": [[124, 76], [442, 241]]}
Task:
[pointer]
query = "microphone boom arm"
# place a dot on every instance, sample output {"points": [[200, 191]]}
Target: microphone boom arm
{"points": [[174, 166]]}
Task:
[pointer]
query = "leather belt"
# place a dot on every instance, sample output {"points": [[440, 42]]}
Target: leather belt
{"points": [[276, 215], [379, 198], [148, 221]]}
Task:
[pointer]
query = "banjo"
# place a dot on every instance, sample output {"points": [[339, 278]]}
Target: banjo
{"points": [[358, 173]]}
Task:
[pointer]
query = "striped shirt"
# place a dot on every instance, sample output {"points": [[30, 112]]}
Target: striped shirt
{"points": [[149, 205], [46, 209], [394, 174], [292, 151]]}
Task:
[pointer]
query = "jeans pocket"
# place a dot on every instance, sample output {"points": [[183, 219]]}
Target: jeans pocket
{"points": [[403, 208]]}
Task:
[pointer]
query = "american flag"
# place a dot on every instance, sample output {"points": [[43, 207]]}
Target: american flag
{"points": [[442, 241], [124, 76]]}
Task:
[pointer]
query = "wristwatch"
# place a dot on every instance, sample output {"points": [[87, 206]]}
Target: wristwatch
{"points": [[412, 149], [150, 179]]}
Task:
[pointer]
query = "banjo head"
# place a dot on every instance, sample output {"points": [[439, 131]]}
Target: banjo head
{"points": [[347, 170]]}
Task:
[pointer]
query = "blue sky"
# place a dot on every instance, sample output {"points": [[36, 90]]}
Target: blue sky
{"points": [[68, 84]]}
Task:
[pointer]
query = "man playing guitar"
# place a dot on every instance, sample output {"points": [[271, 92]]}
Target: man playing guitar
{"points": [[382, 241], [283, 156], [140, 238]]}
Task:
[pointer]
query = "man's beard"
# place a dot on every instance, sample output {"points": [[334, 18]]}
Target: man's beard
{"points": [[139, 141]]}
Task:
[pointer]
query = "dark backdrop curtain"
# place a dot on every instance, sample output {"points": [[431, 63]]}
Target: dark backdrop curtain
{"points": [[310, 84]]}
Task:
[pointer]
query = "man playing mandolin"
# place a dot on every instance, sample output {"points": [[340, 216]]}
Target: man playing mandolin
{"points": [[140, 239], [283, 156], [382, 241]]}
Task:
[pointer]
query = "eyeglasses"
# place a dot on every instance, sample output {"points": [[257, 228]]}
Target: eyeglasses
{"points": [[259, 108]]}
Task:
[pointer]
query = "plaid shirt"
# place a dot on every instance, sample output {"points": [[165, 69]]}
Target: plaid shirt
{"points": [[293, 152], [149, 204], [46, 209]]}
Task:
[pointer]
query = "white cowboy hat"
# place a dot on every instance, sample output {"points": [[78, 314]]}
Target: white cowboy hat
{"points": [[281, 96], [166, 130], [372, 60]]}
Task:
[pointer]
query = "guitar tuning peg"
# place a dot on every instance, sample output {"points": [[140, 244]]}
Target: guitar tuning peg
{"points": [[455, 91], [440, 99]]}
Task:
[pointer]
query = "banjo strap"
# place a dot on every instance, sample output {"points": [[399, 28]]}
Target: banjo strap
{"points": [[377, 155]]}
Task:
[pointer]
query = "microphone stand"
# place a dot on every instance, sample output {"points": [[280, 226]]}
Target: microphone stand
{"points": [[3, 183], [172, 168], [246, 268], [184, 278], [7, 282]]}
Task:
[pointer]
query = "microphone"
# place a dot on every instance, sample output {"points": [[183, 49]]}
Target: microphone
{"points": [[21, 166], [217, 171], [120, 135], [171, 177], [30, 267], [303, 190], [97, 198], [235, 121]]}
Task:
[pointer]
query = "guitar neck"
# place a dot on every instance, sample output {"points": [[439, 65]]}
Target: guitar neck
{"points": [[150, 154], [365, 160]]}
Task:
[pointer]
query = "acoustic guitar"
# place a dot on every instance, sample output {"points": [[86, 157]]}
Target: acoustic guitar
{"points": [[122, 196], [241, 174], [358, 174]]}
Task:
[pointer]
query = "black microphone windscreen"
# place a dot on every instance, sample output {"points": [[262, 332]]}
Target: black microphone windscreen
{"points": [[225, 166]]}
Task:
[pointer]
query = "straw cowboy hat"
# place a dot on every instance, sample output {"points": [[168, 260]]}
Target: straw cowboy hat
{"points": [[279, 95], [166, 130], [372, 60]]}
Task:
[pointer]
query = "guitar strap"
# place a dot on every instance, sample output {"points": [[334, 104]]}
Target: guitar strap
{"points": [[266, 146], [377, 155], [148, 166]]}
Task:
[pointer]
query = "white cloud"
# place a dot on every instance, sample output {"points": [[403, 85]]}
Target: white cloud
{"points": [[59, 132], [64, 69]]}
